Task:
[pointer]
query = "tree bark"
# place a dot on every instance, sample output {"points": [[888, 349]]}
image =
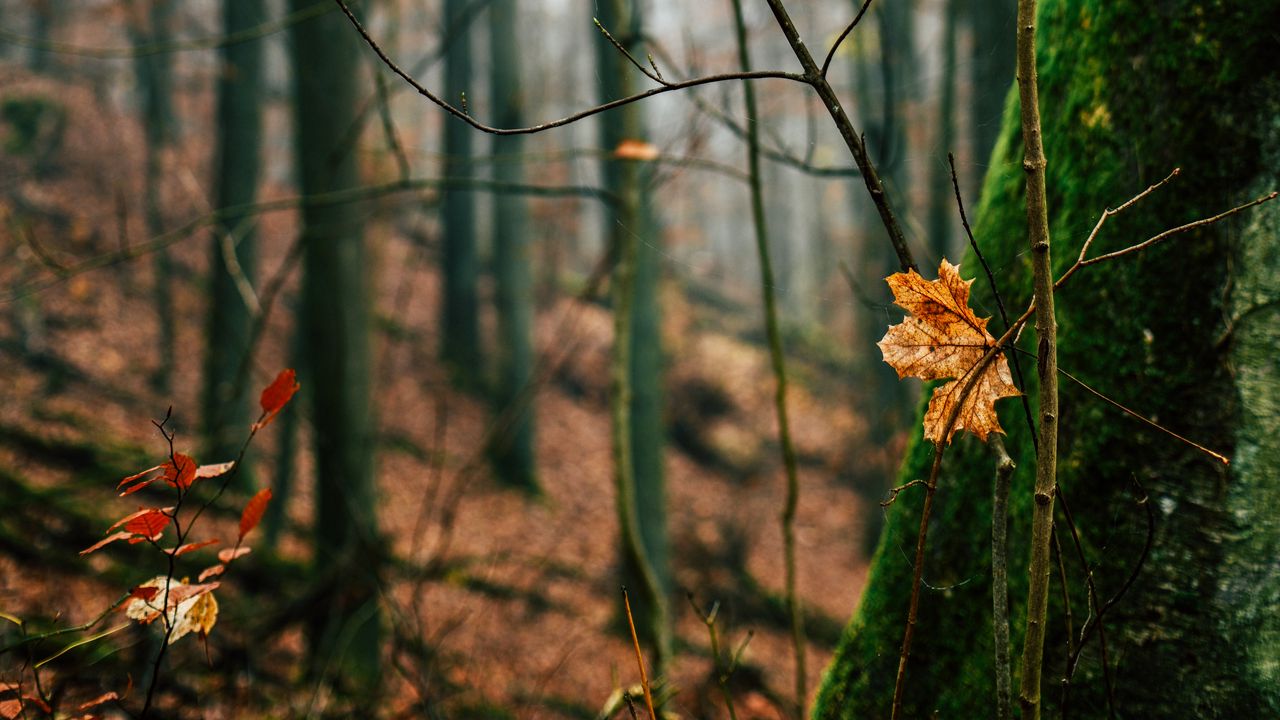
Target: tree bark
{"points": [[232, 249], [155, 80], [513, 452], [1176, 333], [993, 56], [634, 233], [460, 326], [344, 635]]}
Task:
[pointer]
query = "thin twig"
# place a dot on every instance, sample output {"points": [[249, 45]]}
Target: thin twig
{"points": [[1106, 215], [569, 119], [653, 75], [852, 139], [1000, 576], [778, 362], [635, 641], [722, 671], [826, 63], [325, 199], [1095, 622], [1216, 456], [1180, 229], [893, 492], [930, 489]]}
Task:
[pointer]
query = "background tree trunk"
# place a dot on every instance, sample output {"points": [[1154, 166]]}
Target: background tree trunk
{"points": [[634, 221], [942, 205], [513, 451], [155, 80], [237, 164], [994, 42], [1177, 333], [344, 634], [460, 327]]}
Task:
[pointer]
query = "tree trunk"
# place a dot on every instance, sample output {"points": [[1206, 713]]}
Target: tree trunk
{"points": [[344, 634], [942, 206], [994, 41], [1184, 333], [44, 14], [233, 255], [460, 336], [513, 450], [635, 235], [155, 79]]}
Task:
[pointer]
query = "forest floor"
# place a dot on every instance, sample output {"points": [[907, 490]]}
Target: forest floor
{"points": [[499, 604]]}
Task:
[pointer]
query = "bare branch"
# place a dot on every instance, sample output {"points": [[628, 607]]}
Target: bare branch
{"points": [[461, 114], [1180, 229], [836, 45]]}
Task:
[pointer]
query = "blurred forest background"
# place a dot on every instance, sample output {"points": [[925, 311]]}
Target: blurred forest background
{"points": [[195, 194]]}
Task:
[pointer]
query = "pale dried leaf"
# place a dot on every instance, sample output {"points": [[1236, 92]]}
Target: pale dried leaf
{"points": [[943, 338]]}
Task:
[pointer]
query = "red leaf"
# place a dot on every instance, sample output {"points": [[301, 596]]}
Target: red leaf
{"points": [[180, 471], [139, 481], [6, 687], [105, 697], [141, 511], [148, 524], [211, 571], [106, 540], [253, 511], [144, 592], [189, 547], [276, 396], [10, 709], [230, 554]]}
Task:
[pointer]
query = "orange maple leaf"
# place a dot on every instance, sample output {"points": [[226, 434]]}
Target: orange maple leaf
{"points": [[943, 338]]}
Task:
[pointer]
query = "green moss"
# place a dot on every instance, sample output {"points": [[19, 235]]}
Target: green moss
{"points": [[1128, 91]]}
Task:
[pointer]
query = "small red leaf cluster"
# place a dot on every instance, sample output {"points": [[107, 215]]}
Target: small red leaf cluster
{"points": [[181, 472], [187, 608]]}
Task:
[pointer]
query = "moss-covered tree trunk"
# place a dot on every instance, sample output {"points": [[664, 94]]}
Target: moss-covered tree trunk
{"points": [[344, 632], [236, 162], [1184, 333]]}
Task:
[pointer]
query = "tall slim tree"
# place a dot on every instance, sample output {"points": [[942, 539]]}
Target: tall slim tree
{"points": [[344, 634], [885, 117], [991, 76], [236, 166], [513, 451], [1183, 333], [44, 16], [154, 72], [460, 326], [941, 202], [633, 232]]}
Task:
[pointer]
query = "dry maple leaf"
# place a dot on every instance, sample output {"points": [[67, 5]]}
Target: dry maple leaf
{"points": [[942, 338]]}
